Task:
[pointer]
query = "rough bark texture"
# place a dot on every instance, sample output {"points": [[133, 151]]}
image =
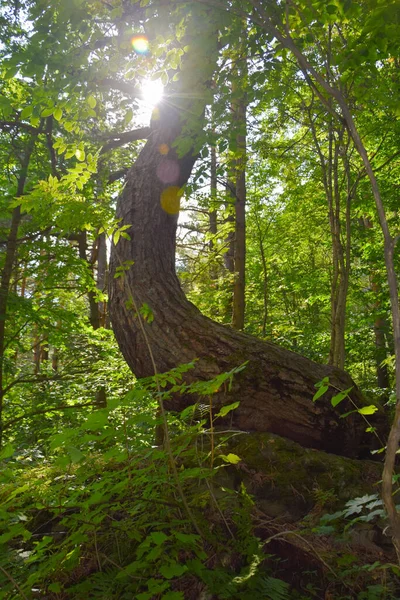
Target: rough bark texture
{"points": [[276, 388]]}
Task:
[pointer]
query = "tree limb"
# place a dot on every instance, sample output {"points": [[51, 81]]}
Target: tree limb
{"points": [[11, 422], [120, 139]]}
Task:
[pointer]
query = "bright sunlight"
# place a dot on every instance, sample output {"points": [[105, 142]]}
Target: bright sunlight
{"points": [[152, 92]]}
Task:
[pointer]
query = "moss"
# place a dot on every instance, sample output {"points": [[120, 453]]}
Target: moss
{"points": [[288, 480]]}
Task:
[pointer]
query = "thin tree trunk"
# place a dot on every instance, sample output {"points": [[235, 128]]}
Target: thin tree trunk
{"points": [[239, 303], [10, 255], [264, 20], [102, 278], [94, 316], [239, 172], [382, 373], [213, 190], [265, 277]]}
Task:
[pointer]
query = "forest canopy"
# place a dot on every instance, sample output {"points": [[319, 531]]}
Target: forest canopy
{"points": [[199, 235]]}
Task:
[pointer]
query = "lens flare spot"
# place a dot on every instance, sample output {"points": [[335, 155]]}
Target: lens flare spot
{"points": [[155, 115], [140, 44], [168, 171], [170, 199], [163, 149]]}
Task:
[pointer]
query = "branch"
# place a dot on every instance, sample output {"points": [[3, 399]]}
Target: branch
{"points": [[50, 146], [7, 125], [40, 379], [120, 139], [117, 175], [26, 238], [129, 88], [11, 422]]}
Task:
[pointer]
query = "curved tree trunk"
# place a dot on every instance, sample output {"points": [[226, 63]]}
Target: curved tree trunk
{"points": [[276, 387]]}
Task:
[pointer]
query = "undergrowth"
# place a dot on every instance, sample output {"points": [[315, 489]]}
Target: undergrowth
{"points": [[95, 512]]}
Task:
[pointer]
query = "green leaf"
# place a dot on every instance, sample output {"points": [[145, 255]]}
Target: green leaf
{"points": [[331, 9], [340, 396], [173, 570], [320, 392], [26, 112], [91, 101], [164, 78], [75, 454], [173, 596], [187, 538], [367, 410], [10, 73], [158, 537], [7, 451], [346, 414], [227, 409], [58, 114], [80, 154], [146, 311], [96, 420], [47, 112], [230, 458], [324, 381], [128, 117]]}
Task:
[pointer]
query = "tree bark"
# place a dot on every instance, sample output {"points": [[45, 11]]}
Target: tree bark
{"points": [[239, 282], [10, 255], [276, 387]]}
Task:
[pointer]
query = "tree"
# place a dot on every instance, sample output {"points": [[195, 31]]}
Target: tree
{"points": [[277, 386]]}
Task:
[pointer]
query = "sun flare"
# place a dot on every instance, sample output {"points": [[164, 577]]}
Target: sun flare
{"points": [[152, 92]]}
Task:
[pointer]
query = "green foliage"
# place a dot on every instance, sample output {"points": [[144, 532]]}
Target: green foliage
{"points": [[98, 513], [89, 505]]}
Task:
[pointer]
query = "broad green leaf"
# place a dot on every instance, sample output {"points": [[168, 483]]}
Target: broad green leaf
{"points": [[26, 112], [367, 410], [10, 73], [320, 392], [58, 114], [47, 112], [340, 396], [187, 538], [75, 454], [97, 420], [158, 537], [233, 459], [128, 117], [116, 237], [173, 596], [227, 409], [173, 570], [7, 451], [91, 101], [80, 154]]}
